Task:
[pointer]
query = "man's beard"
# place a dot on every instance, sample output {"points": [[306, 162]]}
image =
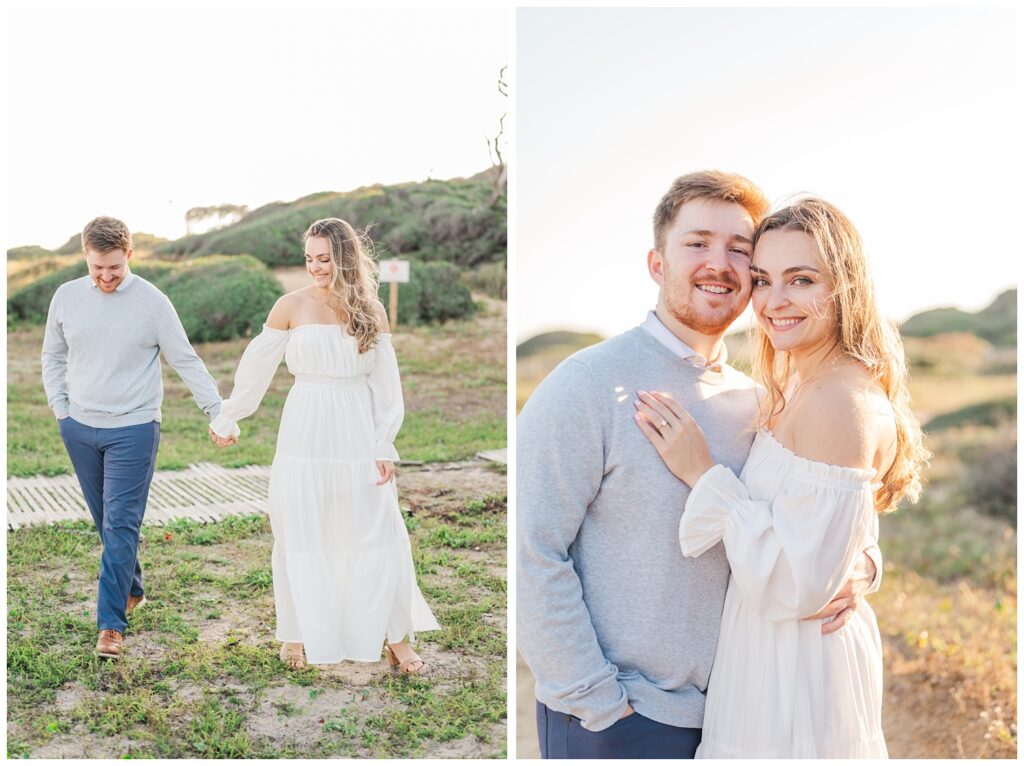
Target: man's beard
{"points": [[706, 322]]}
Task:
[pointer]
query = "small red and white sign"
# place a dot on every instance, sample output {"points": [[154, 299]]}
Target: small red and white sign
{"points": [[394, 271]]}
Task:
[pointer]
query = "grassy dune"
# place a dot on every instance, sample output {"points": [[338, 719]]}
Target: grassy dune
{"points": [[457, 220]]}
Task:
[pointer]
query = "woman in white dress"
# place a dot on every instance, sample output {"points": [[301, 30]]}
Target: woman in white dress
{"points": [[344, 582], [836, 445]]}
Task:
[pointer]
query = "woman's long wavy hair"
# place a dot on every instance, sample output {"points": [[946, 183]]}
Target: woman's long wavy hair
{"points": [[353, 285], [861, 332]]}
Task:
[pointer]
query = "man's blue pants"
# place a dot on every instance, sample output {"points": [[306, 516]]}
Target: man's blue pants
{"points": [[114, 468], [563, 736]]}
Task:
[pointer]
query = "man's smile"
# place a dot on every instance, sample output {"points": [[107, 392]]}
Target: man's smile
{"points": [[714, 289]]}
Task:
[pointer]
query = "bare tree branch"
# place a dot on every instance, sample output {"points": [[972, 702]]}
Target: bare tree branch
{"points": [[494, 146]]}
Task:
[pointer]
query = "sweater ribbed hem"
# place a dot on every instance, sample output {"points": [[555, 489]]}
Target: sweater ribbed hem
{"points": [[107, 420]]}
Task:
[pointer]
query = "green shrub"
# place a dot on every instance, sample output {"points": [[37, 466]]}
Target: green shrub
{"points": [[30, 304], [991, 481], [490, 279], [442, 294], [30, 271], [433, 293], [990, 413], [408, 300], [216, 297], [221, 297]]}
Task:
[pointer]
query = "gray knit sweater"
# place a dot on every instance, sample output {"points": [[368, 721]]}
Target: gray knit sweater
{"points": [[608, 609], [101, 355]]}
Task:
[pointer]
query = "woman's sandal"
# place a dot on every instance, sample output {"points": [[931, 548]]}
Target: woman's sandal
{"points": [[405, 666], [292, 656]]}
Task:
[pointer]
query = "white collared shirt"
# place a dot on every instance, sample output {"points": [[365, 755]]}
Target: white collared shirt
{"points": [[669, 340], [128, 277]]}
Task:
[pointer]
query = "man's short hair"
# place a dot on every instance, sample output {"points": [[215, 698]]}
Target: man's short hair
{"points": [[103, 234], [708, 184]]}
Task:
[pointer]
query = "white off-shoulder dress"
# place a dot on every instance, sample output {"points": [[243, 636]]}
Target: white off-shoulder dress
{"points": [[342, 562], [792, 530]]}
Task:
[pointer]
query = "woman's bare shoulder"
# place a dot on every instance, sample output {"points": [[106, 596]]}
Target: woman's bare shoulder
{"points": [[844, 420], [283, 313]]}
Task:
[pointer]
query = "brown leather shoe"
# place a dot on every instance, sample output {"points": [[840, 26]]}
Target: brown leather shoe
{"points": [[134, 602], [109, 644]]}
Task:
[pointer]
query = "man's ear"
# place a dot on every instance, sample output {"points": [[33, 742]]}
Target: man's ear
{"points": [[655, 265], [128, 255]]}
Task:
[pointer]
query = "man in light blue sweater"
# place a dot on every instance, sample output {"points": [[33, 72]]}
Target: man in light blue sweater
{"points": [[618, 628], [101, 371]]}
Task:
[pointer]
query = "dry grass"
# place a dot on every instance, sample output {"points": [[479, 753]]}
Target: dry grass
{"points": [[950, 667], [933, 396]]}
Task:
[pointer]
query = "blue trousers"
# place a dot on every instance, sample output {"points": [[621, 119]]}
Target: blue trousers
{"points": [[563, 736], [114, 468]]}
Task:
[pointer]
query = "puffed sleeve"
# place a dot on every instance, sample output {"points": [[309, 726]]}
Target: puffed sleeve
{"points": [[791, 556], [386, 394], [256, 369]]}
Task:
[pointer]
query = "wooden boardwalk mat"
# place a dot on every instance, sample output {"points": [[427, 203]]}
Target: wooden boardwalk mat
{"points": [[495, 455], [202, 492]]}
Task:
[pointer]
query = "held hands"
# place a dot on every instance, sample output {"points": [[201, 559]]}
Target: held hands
{"points": [[222, 441], [676, 435], [842, 607], [387, 471]]}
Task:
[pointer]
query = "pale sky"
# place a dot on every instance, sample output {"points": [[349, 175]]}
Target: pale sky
{"points": [[144, 113], [904, 118]]}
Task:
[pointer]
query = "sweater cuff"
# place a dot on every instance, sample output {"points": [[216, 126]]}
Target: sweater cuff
{"points": [[61, 409], [598, 701], [599, 706], [600, 722]]}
